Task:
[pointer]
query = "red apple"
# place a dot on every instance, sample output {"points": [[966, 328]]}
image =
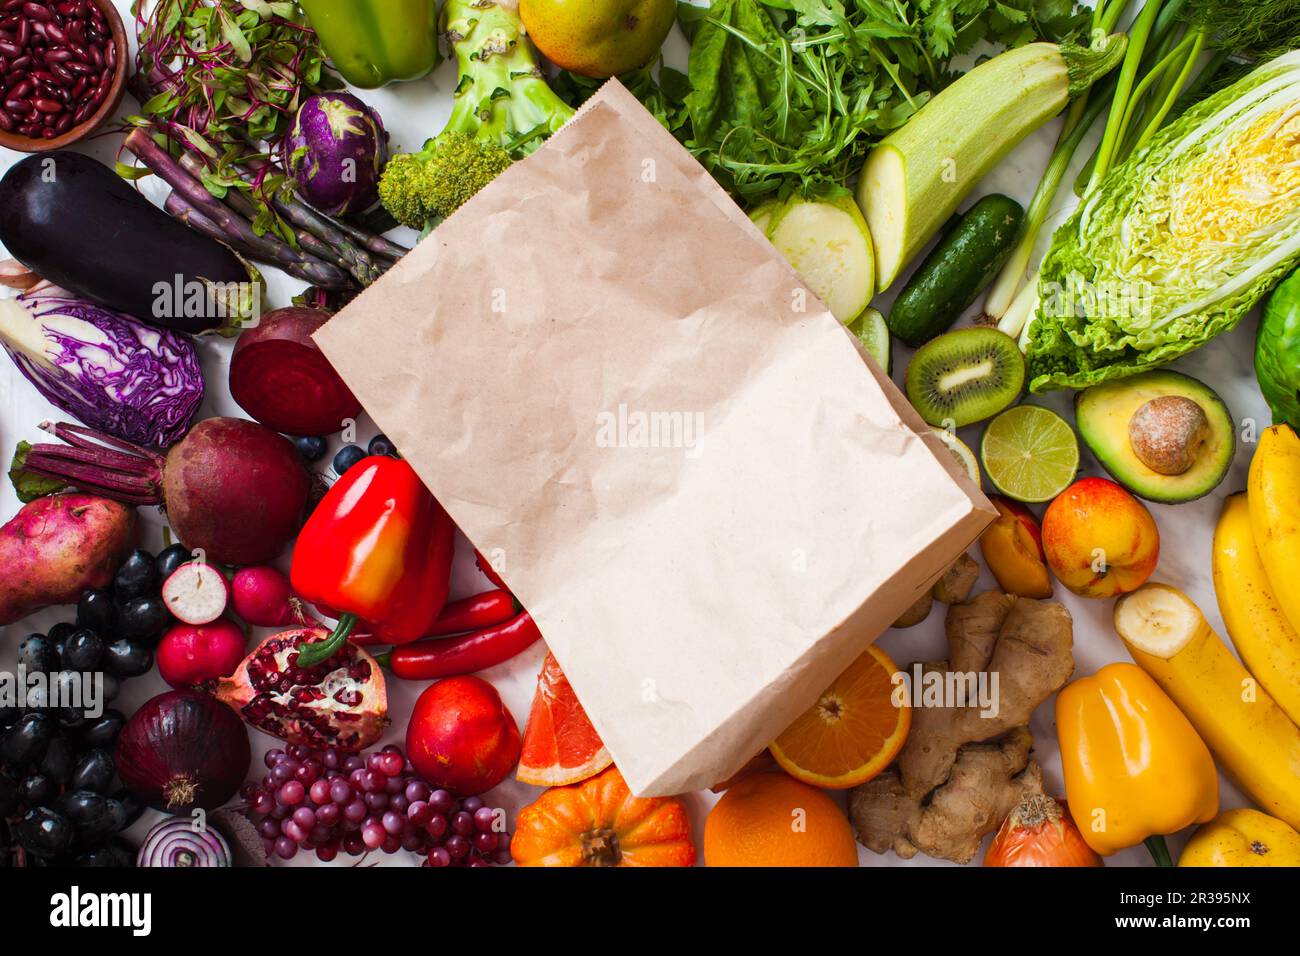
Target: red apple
{"points": [[461, 736]]}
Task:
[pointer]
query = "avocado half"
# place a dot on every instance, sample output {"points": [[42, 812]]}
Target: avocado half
{"points": [[1103, 413]]}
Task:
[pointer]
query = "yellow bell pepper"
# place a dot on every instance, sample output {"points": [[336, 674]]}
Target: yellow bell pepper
{"points": [[1135, 768], [1243, 838]]}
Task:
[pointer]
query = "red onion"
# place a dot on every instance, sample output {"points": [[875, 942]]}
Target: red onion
{"points": [[176, 843], [183, 750]]}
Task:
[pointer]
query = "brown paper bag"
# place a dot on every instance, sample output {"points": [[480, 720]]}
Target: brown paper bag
{"points": [[674, 455]]}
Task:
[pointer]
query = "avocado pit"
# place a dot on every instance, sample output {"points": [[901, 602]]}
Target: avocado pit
{"points": [[1168, 433]]}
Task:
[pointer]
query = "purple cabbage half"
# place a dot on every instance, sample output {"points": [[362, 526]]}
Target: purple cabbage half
{"points": [[134, 381], [335, 151]]}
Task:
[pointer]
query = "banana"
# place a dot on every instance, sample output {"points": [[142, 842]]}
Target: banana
{"points": [[1273, 490], [1265, 639], [1248, 733]]}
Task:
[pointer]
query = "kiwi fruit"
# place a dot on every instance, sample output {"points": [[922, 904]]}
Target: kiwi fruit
{"points": [[965, 376]]}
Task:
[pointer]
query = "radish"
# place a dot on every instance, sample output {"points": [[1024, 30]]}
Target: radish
{"points": [[280, 377], [190, 654], [261, 596], [196, 593], [58, 546], [232, 488]]}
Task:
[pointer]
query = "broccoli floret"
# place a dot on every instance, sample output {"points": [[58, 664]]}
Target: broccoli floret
{"points": [[430, 185], [502, 109]]}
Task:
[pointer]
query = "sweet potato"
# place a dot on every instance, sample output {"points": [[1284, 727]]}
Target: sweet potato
{"points": [[58, 546]]}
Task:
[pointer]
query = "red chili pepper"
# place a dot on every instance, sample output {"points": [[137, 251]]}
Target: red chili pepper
{"points": [[449, 657], [472, 613], [489, 572]]}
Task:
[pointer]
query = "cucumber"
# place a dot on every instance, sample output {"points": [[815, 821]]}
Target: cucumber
{"points": [[956, 270]]}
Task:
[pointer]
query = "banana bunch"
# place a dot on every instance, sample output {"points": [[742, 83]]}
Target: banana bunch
{"points": [[1257, 568], [1251, 737]]}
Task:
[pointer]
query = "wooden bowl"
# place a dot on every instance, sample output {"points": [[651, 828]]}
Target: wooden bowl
{"points": [[106, 109]]}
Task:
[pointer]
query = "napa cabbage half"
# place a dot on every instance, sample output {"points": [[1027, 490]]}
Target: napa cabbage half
{"points": [[1179, 242]]}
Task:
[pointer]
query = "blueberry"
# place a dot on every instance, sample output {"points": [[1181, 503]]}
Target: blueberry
{"points": [[144, 617], [127, 658], [83, 651], [97, 611], [36, 655], [347, 456], [380, 445], [311, 447], [169, 559], [136, 577]]}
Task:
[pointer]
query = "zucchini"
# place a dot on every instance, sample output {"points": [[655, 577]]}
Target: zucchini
{"points": [[826, 242], [957, 270], [872, 332], [919, 174]]}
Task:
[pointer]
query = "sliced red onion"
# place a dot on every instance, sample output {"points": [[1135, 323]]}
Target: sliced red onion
{"points": [[176, 843]]}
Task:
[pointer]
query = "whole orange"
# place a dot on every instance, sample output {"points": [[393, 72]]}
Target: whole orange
{"points": [[771, 819], [598, 38]]}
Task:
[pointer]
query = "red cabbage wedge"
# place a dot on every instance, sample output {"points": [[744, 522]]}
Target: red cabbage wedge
{"points": [[135, 382]]}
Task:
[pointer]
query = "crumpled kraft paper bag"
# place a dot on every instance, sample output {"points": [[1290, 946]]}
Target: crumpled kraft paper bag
{"points": [[709, 500]]}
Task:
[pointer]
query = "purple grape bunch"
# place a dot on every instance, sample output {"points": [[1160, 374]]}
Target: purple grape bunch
{"points": [[331, 802]]}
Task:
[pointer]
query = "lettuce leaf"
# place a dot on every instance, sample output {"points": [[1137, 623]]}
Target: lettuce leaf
{"points": [[1178, 243]]}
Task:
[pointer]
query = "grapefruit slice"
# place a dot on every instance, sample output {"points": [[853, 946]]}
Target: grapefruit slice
{"points": [[560, 745]]}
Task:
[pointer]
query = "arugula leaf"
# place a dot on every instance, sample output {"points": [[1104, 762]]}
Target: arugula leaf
{"points": [[786, 95]]}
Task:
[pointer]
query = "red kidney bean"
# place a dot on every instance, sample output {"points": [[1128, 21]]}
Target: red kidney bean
{"points": [[6, 122], [9, 48], [38, 12], [18, 106], [22, 88], [47, 105]]}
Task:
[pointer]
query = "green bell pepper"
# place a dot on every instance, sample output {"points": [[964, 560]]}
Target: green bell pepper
{"points": [[1277, 352], [377, 42]]}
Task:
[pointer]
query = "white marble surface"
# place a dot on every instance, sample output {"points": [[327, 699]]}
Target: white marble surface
{"points": [[415, 111]]}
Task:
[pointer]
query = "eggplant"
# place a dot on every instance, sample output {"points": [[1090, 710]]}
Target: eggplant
{"points": [[74, 221]]}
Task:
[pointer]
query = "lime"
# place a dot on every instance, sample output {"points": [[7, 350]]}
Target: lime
{"points": [[873, 333], [1030, 453], [961, 451]]}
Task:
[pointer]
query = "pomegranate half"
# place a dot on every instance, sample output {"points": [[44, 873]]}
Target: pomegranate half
{"points": [[340, 702]]}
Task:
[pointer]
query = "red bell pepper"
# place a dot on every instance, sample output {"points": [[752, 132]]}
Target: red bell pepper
{"points": [[448, 657], [377, 549]]}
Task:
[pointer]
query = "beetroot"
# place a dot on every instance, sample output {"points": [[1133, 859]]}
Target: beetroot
{"points": [[280, 377], [231, 488], [58, 546]]}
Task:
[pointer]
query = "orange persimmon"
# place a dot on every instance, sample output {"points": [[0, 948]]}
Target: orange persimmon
{"points": [[598, 822]]}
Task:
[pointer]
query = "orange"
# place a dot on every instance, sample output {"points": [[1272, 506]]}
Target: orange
{"points": [[771, 819], [852, 732], [560, 745]]}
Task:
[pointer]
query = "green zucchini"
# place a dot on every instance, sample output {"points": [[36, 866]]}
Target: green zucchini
{"points": [[957, 270], [919, 174]]}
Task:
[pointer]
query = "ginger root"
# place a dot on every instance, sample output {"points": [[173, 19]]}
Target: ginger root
{"points": [[964, 766], [957, 582]]}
